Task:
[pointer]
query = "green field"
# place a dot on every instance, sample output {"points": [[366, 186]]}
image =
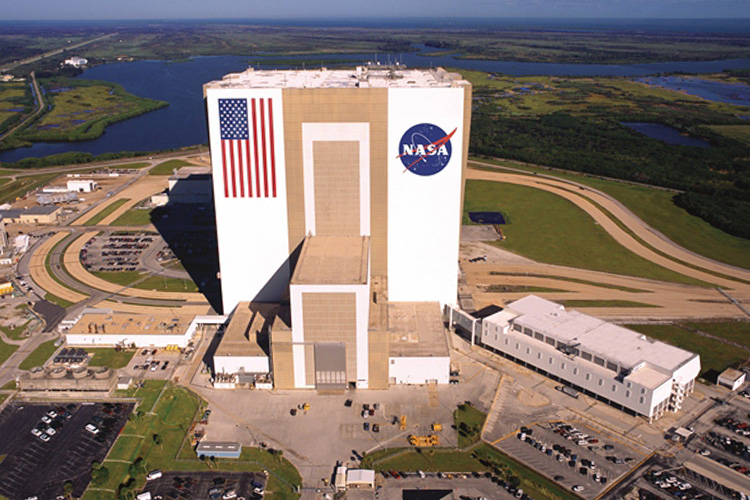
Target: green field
{"points": [[163, 284], [134, 217], [167, 168], [733, 331], [167, 411], [109, 357], [15, 102], [10, 386], [58, 300], [82, 109], [738, 132], [547, 228], [469, 422], [96, 219], [715, 356], [149, 282], [15, 189], [38, 356], [482, 458], [655, 207], [6, 350], [129, 166]]}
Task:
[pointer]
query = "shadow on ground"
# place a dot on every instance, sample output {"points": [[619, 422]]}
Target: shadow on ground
{"points": [[190, 232]]}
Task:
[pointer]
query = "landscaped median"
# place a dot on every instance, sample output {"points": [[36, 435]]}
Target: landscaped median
{"points": [[472, 456], [157, 436]]}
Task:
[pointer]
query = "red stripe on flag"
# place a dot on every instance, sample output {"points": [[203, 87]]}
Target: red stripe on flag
{"points": [[232, 144], [255, 150], [248, 166], [263, 138], [273, 144], [241, 168], [224, 166]]}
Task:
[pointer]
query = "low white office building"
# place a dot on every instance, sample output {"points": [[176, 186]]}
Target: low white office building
{"points": [[626, 369], [82, 185]]}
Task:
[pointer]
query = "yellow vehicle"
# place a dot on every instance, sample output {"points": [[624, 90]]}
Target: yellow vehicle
{"points": [[437, 427], [424, 441]]}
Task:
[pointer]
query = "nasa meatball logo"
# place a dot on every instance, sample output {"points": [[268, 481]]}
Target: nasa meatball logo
{"points": [[425, 149]]}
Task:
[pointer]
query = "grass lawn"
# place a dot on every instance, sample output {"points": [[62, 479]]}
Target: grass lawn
{"points": [[168, 167], [109, 357], [469, 422], [123, 278], [170, 417], [39, 355], [6, 350], [96, 219], [735, 331], [738, 132], [58, 300], [14, 333], [573, 280], [147, 394], [547, 228], [480, 459], [715, 356], [10, 386], [154, 282], [163, 284], [19, 187], [655, 207], [133, 217]]}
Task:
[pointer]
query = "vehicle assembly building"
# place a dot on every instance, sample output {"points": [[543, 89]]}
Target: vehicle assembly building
{"points": [[622, 367], [338, 196]]}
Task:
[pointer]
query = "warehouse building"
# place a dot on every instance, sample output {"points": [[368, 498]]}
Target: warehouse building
{"points": [[619, 366], [338, 197]]}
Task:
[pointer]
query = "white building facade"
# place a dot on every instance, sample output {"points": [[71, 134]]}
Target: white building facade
{"points": [[625, 368], [337, 193]]}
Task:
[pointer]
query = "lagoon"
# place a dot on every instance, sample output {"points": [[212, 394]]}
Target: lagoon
{"points": [[183, 122], [666, 134]]}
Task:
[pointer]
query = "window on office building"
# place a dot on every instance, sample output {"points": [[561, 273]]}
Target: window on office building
{"points": [[538, 336], [528, 350], [506, 341], [599, 361], [575, 371], [643, 390], [551, 360], [562, 366], [517, 328], [642, 399], [627, 394], [601, 381], [614, 387], [539, 355], [518, 346], [527, 331], [586, 355], [551, 341], [588, 376], [611, 366]]}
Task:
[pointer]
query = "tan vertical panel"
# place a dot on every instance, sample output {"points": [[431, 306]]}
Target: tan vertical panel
{"points": [[283, 365], [339, 105], [309, 364], [378, 362], [332, 317], [337, 191], [295, 189]]}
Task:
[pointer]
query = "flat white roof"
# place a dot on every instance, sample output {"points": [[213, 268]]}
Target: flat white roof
{"points": [[371, 76], [614, 343]]}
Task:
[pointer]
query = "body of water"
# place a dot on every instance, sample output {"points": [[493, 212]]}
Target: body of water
{"points": [[731, 93], [183, 122], [666, 134]]}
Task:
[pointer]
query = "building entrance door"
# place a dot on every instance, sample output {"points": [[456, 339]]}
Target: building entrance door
{"points": [[330, 366]]}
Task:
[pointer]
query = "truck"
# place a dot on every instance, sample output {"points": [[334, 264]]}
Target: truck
{"points": [[567, 390]]}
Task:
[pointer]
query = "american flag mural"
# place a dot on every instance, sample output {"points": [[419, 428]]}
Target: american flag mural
{"points": [[247, 148]]}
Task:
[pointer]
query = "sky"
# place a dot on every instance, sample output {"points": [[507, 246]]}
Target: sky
{"points": [[354, 9]]}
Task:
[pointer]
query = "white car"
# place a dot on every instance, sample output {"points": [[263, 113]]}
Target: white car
{"points": [[46, 419], [36, 432], [50, 431], [52, 413], [705, 453], [229, 495], [577, 488], [154, 474], [92, 429], [45, 438]]}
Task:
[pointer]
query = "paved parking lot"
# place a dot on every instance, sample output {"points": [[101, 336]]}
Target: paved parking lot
{"points": [[144, 360], [206, 485], [575, 474], [32, 467]]}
